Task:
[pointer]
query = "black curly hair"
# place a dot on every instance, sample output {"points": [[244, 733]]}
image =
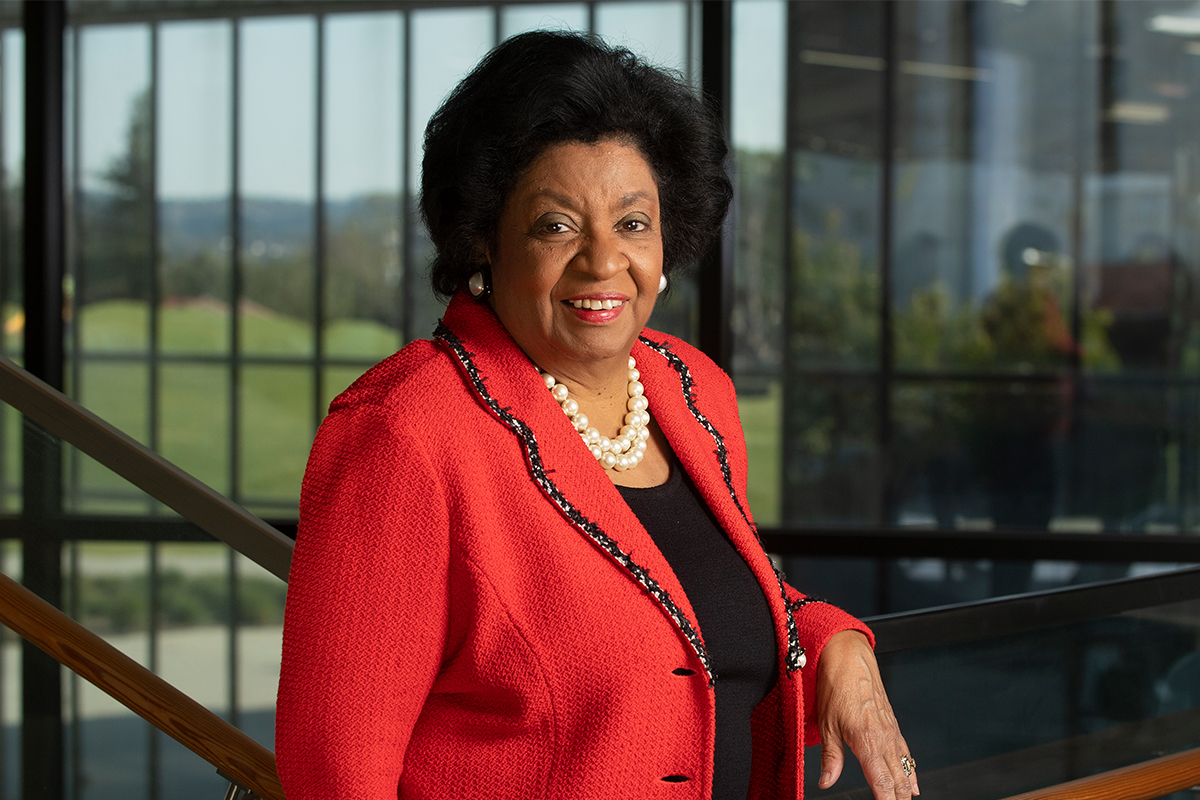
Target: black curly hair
{"points": [[545, 88]]}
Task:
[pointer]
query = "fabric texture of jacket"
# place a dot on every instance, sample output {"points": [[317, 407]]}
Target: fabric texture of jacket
{"points": [[474, 612]]}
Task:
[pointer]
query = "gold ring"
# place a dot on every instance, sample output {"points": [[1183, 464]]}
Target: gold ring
{"points": [[908, 765]]}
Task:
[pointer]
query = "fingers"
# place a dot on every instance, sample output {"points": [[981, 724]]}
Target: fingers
{"points": [[853, 708], [906, 755], [833, 756], [881, 756]]}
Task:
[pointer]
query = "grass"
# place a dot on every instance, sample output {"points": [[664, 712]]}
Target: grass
{"points": [[761, 417], [277, 411]]}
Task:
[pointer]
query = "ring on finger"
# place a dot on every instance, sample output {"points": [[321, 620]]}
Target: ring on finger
{"points": [[908, 765]]}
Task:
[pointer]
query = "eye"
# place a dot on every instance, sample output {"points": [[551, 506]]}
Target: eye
{"points": [[555, 227], [635, 225]]}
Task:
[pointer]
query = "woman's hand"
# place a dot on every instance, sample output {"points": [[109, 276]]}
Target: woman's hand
{"points": [[853, 708]]}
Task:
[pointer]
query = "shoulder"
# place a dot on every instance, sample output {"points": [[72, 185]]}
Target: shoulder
{"points": [[691, 364], [421, 375]]}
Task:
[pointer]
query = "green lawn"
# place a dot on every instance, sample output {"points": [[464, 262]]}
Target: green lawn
{"points": [[761, 418], [276, 402]]}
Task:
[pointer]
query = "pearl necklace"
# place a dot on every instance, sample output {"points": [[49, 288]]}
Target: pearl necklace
{"points": [[628, 448]]}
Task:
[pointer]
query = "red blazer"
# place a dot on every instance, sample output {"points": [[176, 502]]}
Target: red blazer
{"points": [[474, 612]]}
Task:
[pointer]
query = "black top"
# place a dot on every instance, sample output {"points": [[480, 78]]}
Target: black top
{"points": [[731, 610]]}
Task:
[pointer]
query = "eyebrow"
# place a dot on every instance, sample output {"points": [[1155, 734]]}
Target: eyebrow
{"points": [[624, 202]]}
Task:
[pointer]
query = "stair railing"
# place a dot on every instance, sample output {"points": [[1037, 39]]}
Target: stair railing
{"points": [[1145, 781], [214, 513], [248, 765]]}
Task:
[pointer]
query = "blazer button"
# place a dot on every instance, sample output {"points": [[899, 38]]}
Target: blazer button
{"points": [[803, 658]]}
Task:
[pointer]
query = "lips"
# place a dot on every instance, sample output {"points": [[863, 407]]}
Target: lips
{"points": [[597, 308]]}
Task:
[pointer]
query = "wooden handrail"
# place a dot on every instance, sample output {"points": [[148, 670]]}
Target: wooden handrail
{"points": [[195, 727], [1145, 781], [145, 469]]}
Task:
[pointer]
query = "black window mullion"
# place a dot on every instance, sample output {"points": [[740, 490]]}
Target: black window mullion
{"points": [[235, 293], [409, 210], [154, 283], [319, 233], [235, 262], [715, 279]]}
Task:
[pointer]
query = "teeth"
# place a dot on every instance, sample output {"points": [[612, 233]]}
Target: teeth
{"points": [[597, 305]]}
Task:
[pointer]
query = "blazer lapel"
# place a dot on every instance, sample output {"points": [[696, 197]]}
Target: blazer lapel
{"points": [[508, 384], [681, 410]]}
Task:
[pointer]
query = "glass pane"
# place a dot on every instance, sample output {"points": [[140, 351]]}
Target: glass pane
{"points": [[194, 183], [1047, 455], [12, 142], [1135, 458], [117, 392], [362, 185], [830, 457], [260, 643], [977, 456], [759, 31], [833, 274], [543, 16], [194, 591], [657, 32], [193, 420], [986, 186], [277, 160], [111, 598], [277, 428], [336, 381], [1047, 706], [446, 44], [10, 682], [1142, 221], [760, 406], [115, 192]]}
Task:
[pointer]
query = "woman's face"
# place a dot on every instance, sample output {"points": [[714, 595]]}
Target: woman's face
{"points": [[580, 228]]}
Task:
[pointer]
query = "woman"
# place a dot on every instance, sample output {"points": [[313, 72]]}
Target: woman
{"points": [[526, 567]]}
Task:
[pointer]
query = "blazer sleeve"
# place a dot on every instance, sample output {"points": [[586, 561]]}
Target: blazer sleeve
{"points": [[816, 623], [816, 620], [367, 609]]}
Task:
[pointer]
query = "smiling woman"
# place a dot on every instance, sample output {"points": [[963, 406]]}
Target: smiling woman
{"points": [[525, 564]]}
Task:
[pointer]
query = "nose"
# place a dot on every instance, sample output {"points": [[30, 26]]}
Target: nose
{"points": [[601, 256]]}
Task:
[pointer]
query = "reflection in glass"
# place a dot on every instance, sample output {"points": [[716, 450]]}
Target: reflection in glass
{"points": [[12, 109], [363, 241], [831, 458], [116, 195], [1054, 454], [759, 31], [194, 154], [278, 184], [986, 188], [1048, 705], [516, 19]]}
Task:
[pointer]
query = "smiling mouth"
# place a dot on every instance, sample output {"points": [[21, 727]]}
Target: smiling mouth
{"points": [[597, 305]]}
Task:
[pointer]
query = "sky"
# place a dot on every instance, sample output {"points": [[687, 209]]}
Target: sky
{"points": [[363, 86]]}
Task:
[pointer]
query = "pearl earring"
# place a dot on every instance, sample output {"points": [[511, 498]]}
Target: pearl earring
{"points": [[662, 283], [478, 286]]}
